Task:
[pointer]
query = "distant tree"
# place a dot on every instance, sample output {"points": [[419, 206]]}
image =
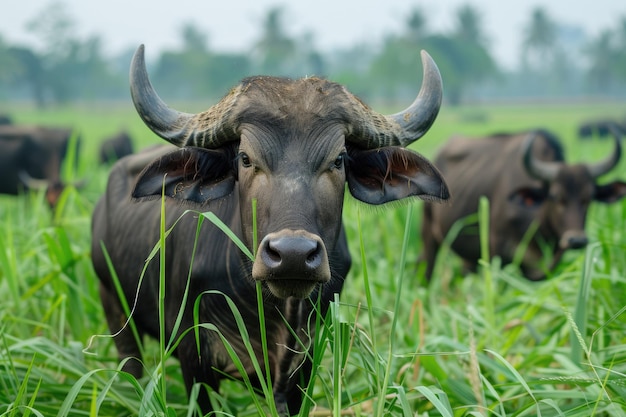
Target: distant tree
{"points": [[196, 71], [621, 31], [476, 61], [8, 65], [350, 67], [72, 67], [194, 39], [27, 70], [462, 56], [225, 70], [620, 59], [606, 54], [603, 57], [468, 25], [306, 60], [274, 48], [396, 66], [171, 75], [539, 41], [416, 24], [55, 28], [93, 75]]}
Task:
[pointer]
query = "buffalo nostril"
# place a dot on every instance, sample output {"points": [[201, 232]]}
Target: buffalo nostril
{"points": [[271, 256], [292, 252], [315, 257]]}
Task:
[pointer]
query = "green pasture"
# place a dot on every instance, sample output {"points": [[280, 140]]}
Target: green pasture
{"points": [[487, 344]]}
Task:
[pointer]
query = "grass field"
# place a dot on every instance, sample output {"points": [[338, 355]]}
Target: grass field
{"points": [[485, 344]]}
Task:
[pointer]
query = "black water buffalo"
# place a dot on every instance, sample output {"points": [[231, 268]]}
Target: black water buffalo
{"points": [[290, 146], [115, 147], [525, 178], [31, 158], [600, 127]]}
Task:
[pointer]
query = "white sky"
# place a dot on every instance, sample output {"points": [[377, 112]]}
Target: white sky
{"points": [[235, 24]]}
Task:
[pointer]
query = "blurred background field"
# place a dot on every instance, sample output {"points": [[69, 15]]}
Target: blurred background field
{"points": [[490, 343]]}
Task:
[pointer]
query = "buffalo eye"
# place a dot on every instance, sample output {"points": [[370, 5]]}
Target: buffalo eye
{"points": [[338, 163], [245, 160], [529, 197]]}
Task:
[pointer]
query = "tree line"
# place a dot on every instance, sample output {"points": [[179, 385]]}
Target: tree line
{"points": [[69, 68]]}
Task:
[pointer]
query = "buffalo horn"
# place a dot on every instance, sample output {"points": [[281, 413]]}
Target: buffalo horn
{"points": [[373, 130], [542, 170], [602, 167], [367, 128], [32, 183], [178, 128], [421, 114]]}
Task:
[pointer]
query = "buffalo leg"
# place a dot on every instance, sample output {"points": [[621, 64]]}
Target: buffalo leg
{"points": [[196, 372], [294, 397], [430, 246], [124, 339]]}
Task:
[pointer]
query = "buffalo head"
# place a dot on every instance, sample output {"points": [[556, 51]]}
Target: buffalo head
{"points": [[566, 192], [290, 146]]}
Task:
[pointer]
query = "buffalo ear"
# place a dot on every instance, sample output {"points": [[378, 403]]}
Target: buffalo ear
{"points": [[387, 174], [191, 174], [528, 197], [610, 193]]}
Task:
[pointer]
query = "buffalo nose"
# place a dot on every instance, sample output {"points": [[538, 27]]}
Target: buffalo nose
{"points": [[573, 239], [291, 263], [291, 256], [578, 242]]}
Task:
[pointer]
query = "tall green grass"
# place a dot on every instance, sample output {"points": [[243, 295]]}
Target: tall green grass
{"points": [[490, 343]]}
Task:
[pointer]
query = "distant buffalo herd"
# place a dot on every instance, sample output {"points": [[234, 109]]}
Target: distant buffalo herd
{"points": [[601, 128], [283, 152], [31, 156]]}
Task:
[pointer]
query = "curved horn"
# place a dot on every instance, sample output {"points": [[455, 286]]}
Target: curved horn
{"points": [[373, 130], [542, 170], [421, 114], [32, 183], [181, 129], [602, 167]]}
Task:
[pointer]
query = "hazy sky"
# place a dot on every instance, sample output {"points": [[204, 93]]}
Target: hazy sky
{"points": [[235, 24]]}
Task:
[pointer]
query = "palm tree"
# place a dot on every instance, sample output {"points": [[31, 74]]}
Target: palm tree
{"points": [[194, 39], [468, 25], [540, 40], [416, 25], [602, 57], [275, 47], [621, 33], [621, 49]]}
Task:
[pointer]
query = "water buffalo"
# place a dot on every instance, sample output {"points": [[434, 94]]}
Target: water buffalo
{"points": [[115, 147], [601, 127], [31, 158], [291, 146], [526, 180]]}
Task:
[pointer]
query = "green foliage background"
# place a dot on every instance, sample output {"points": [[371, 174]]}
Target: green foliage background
{"points": [[556, 59]]}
